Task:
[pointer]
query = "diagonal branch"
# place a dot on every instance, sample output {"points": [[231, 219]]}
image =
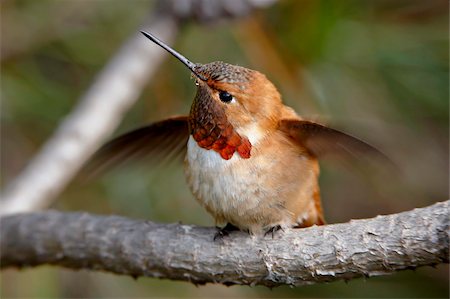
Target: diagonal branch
{"points": [[368, 247], [98, 113]]}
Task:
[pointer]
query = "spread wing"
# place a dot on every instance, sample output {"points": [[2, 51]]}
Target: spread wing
{"points": [[156, 143], [320, 140]]}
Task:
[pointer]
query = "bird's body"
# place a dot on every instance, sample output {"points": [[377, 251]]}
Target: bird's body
{"points": [[277, 185], [262, 179], [250, 160]]}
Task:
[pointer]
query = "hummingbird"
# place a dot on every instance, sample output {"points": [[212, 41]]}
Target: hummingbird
{"points": [[250, 160]]}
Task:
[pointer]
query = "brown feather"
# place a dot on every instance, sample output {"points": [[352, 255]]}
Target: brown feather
{"points": [[156, 143], [320, 140]]}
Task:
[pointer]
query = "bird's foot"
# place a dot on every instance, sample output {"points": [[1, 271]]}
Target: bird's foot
{"points": [[224, 231], [273, 230]]}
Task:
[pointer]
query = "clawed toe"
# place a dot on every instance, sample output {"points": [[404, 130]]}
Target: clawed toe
{"points": [[273, 230], [225, 231]]}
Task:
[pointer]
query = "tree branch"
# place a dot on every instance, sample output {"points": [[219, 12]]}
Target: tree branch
{"points": [[368, 247]]}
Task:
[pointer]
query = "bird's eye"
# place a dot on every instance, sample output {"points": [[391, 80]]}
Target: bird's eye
{"points": [[225, 96]]}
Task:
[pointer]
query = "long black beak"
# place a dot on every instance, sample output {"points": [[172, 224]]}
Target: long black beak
{"points": [[177, 55]]}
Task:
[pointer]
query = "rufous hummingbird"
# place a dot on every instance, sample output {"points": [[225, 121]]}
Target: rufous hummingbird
{"points": [[250, 161]]}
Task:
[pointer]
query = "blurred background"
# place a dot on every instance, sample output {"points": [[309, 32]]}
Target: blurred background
{"points": [[376, 69]]}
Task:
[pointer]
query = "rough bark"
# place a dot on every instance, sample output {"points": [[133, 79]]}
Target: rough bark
{"points": [[368, 247]]}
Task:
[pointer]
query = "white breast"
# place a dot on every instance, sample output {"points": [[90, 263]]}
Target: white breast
{"points": [[224, 186], [251, 193], [208, 173]]}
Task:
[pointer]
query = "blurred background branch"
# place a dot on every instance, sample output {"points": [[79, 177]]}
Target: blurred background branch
{"points": [[98, 113], [101, 109], [84, 130], [369, 247]]}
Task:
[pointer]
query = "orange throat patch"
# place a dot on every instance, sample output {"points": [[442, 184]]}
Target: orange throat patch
{"points": [[210, 128], [226, 143]]}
